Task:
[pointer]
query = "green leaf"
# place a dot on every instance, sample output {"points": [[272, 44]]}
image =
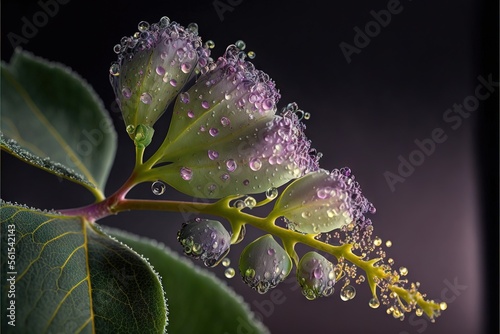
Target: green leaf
{"points": [[198, 301], [63, 275], [52, 112], [12, 147]]}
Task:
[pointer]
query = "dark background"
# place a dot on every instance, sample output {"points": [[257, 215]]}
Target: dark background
{"points": [[443, 220]]}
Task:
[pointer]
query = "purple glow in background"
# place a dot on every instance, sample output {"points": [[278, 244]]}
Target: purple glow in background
{"points": [[365, 114]]}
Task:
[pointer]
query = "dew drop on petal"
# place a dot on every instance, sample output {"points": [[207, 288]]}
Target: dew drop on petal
{"points": [[225, 121], [255, 164], [213, 132], [146, 98], [173, 82], [184, 97], [186, 173], [158, 188], [126, 92], [231, 165], [212, 155], [186, 67], [143, 26], [160, 70]]}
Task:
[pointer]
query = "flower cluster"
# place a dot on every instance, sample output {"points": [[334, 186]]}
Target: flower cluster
{"points": [[226, 140]]}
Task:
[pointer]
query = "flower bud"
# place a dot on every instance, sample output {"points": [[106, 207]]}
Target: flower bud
{"points": [[316, 276], [225, 132], [264, 264], [152, 67], [322, 201], [205, 239]]}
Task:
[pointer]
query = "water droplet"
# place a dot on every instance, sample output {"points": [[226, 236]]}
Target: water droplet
{"points": [[239, 204], [251, 54], [240, 45], [272, 193], [146, 98], [114, 69], [126, 92], [184, 97], [185, 67], [226, 262], [190, 113], [213, 132], [205, 104], [164, 21], [158, 188], [224, 177], [347, 293], [246, 182], [193, 27], [229, 272], [250, 202], [186, 173], [388, 243], [173, 82], [143, 26], [377, 241], [374, 303], [271, 251], [210, 44], [403, 271], [160, 70], [255, 164], [231, 165], [250, 273], [225, 121], [443, 306], [130, 129], [307, 115], [212, 155], [117, 48], [419, 312]]}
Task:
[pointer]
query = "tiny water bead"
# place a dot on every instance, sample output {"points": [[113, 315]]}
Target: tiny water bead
{"points": [[114, 69], [255, 164], [226, 262], [239, 204], [213, 132], [272, 193], [403, 271], [143, 26], [126, 92], [212, 155], [225, 121], [374, 303], [377, 241], [388, 243], [250, 202], [229, 272], [231, 165], [130, 129], [158, 188], [184, 97], [186, 173], [251, 54], [160, 70], [210, 44], [347, 293], [146, 98], [240, 44]]}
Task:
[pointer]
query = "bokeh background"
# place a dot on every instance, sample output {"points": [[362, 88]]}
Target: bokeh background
{"points": [[442, 220]]}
